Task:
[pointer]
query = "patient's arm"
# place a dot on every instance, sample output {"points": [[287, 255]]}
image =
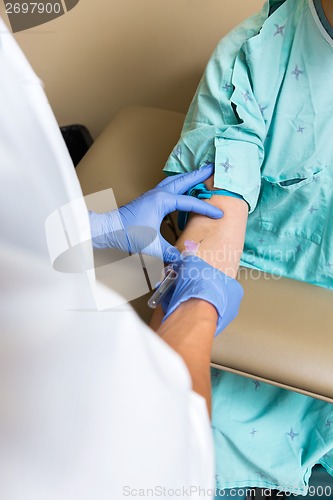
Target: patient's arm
{"points": [[223, 239], [222, 245]]}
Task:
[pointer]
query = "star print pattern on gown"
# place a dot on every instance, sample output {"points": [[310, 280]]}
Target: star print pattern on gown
{"points": [[269, 135]]}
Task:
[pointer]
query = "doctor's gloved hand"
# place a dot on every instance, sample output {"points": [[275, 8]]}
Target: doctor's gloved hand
{"points": [[199, 280], [135, 227]]}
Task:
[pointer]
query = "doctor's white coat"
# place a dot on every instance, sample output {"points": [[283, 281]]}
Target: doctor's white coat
{"points": [[93, 404]]}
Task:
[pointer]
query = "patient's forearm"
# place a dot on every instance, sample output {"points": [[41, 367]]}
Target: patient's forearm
{"points": [[222, 240]]}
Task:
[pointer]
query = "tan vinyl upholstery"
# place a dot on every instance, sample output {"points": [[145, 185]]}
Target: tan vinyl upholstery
{"points": [[283, 334]]}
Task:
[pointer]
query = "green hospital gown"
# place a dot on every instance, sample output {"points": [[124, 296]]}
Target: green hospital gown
{"points": [[263, 114]]}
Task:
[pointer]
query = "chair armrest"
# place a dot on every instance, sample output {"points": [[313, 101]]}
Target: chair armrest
{"points": [[283, 335]]}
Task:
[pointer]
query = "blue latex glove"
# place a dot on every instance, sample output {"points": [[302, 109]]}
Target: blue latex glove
{"points": [[199, 280], [135, 227]]}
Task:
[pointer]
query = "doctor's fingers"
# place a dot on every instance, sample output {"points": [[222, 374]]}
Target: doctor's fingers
{"points": [[170, 253], [189, 204], [181, 183]]}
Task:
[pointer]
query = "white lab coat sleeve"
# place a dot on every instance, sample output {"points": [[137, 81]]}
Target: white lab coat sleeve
{"points": [[94, 404]]}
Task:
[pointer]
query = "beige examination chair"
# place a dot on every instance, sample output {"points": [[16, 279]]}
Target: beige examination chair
{"points": [[283, 334]]}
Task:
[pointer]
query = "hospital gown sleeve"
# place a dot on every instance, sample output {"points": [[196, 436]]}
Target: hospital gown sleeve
{"points": [[225, 123]]}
